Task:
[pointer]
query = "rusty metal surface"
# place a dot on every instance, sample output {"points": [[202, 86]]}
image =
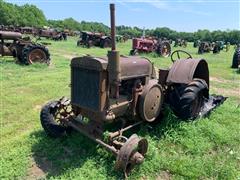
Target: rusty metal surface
{"points": [[10, 35], [131, 154], [184, 70], [37, 55], [135, 67], [150, 102], [89, 62], [113, 28]]}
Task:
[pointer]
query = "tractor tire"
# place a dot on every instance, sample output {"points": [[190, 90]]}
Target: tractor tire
{"points": [[78, 43], [50, 126], [35, 53], [105, 43], [89, 44], [164, 49], [236, 59], [186, 100], [133, 52]]}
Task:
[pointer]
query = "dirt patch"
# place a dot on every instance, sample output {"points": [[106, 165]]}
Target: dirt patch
{"points": [[35, 172], [164, 175], [220, 80], [40, 170], [68, 56], [227, 92], [37, 108]]}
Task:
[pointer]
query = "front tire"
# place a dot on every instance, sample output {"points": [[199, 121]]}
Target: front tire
{"points": [[186, 101], [49, 124]]}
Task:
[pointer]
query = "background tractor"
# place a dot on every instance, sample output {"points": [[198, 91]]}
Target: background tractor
{"points": [[147, 45], [125, 92], [90, 39], [236, 58], [23, 49], [204, 47], [196, 43], [180, 43]]}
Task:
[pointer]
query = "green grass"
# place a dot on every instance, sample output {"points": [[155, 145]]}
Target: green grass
{"points": [[207, 148]]}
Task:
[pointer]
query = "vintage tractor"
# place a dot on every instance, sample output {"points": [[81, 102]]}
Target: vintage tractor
{"points": [[180, 43], [196, 43], [236, 58], [52, 34], [25, 51], [125, 92], [89, 39], [27, 30], [145, 45], [204, 47]]}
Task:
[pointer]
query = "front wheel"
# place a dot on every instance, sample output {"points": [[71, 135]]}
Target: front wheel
{"points": [[186, 101], [50, 117]]}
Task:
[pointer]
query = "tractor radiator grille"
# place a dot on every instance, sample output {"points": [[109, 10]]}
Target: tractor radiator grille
{"points": [[85, 88]]}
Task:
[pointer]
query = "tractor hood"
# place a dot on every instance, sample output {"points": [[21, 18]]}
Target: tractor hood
{"points": [[130, 67]]}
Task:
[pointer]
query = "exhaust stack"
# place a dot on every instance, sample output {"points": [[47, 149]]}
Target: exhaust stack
{"points": [[113, 28], [113, 59]]}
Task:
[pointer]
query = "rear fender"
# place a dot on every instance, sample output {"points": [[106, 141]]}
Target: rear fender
{"points": [[185, 70]]}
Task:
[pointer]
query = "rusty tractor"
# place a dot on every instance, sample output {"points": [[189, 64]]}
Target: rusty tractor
{"points": [[144, 45], [27, 30], [89, 39], [23, 49], [196, 43], [204, 47], [180, 43], [125, 91], [236, 58], [50, 34]]}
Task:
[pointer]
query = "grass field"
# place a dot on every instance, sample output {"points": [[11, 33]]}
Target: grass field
{"points": [[207, 148]]}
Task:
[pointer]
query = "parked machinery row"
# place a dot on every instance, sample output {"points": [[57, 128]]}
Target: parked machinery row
{"points": [[48, 33], [23, 49]]}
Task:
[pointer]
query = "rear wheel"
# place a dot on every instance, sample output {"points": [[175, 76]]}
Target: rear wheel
{"points": [[164, 49], [187, 100], [236, 59], [35, 54], [133, 52]]}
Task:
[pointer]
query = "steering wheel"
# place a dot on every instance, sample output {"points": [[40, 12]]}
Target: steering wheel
{"points": [[178, 55]]}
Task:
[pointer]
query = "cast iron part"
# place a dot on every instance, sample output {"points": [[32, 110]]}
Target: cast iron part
{"points": [[125, 89]]}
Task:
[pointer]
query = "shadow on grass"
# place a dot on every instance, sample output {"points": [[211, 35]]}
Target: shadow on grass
{"points": [[57, 156]]}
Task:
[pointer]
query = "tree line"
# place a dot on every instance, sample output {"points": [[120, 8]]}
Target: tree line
{"points": [[30, 15]]}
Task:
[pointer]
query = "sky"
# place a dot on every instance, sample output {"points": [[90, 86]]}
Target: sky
{"points": [[180, 15]]}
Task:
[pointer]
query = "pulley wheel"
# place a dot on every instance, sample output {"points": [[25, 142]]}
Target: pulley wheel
{"points": [[150, 102], [131, 153]]}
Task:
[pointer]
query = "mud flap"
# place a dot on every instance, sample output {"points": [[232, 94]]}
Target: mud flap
{"points": [[210, 104]]}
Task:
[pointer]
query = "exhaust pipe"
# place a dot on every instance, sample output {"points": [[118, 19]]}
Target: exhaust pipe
{"points": [[113, 28], [113, 59]]}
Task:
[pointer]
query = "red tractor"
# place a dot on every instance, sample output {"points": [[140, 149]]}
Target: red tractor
{"points": [[144, 45]]}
